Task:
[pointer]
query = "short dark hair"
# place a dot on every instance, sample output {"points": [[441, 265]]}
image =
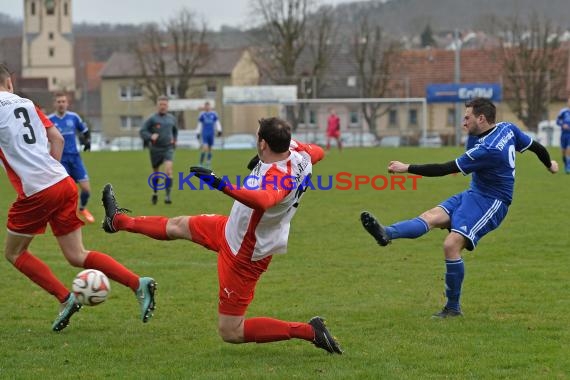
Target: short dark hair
{"points": [[483, 106], [276, 132], [5, 73], [161, 98], [59, 94]]}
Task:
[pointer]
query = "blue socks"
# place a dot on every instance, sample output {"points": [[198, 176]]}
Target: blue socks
{"points": [[455, 271], [84, 197], [408, 229]]}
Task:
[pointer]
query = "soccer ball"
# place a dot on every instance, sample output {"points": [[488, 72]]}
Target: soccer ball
{"points": [[91, 287]]}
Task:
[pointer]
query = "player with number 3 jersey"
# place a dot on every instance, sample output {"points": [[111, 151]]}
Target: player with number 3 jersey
{"points": [[46, 194]]}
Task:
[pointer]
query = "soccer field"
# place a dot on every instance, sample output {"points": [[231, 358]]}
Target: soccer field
{"points": [[377, 300]]}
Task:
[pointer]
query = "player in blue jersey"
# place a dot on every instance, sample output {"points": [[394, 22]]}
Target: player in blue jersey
{"points": [[208, 127], [563, 120], [472, 214], [69, 124]]}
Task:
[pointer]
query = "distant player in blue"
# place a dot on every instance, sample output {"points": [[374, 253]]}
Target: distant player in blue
{"points": [[563, 120], [472, 214], [208, 127], [69, 124]]}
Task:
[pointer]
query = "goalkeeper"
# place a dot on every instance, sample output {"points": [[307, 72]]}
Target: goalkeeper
{"points": [[246, 240]]}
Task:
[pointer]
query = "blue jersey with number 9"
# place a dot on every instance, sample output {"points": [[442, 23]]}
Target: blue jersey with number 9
{"points": [[492, 161]]}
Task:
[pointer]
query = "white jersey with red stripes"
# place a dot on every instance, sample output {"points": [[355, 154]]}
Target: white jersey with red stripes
{"points": [[24, 146], [259, 233]]}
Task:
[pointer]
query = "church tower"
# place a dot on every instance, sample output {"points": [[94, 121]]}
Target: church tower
{"points": [[47, 43]]}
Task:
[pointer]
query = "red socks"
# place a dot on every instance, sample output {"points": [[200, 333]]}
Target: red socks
{"points": [[151, 226], [112, 268], [37, 271], [264, 330]]}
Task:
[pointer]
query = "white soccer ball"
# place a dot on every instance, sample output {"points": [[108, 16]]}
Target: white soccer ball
{"points": [[91, 287]]}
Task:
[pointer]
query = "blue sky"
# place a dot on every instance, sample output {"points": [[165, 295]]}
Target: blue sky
{"points": [[214, 12]]}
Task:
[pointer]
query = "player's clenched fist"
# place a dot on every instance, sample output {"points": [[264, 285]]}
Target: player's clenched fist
{"points": [[397, 167]]}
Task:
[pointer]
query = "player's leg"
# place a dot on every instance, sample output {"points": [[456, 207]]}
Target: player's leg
{"points": [[156, 159], [79, 174], [156, 227], [328, 146], [30, 217], [407, 229], [210, 143], [85, 193], [71, 245], [168, 172], [567, 155], [454, 274], [237, 283], [470, 221], [16, 252], [339, 142], [203, 150]]}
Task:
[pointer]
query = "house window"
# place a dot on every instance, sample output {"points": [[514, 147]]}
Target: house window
{"points": [[171, 90], [450, 118], [308, 118], [50, 7], [393, 118], [413, 117], [211, 89], [351, 81], [65, 10], [33, 8], [353, 119], [51, 51], [131, 122], [130, 92], [50, 35], [312, 117], [54, 81]]}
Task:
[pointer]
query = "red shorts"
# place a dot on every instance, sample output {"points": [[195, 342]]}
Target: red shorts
{"points": [[56, 205], [237, 274], [333, 134]]}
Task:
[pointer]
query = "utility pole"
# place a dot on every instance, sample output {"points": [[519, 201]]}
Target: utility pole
{"points": [[458, 107]]}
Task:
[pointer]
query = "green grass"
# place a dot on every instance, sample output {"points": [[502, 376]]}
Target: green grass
{"points": [[377, 300]]}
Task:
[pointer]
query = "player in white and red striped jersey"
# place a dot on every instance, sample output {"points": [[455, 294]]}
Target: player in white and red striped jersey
{"points": [[246, 240], [47, 195]]}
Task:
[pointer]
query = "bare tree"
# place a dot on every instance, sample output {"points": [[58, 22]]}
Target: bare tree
{"points": [[372, 53], [322, 47], [169, 56], [296, 45], [533, 65]]}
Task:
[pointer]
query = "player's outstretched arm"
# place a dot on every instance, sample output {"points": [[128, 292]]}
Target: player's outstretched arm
{"points": [[543, 155], [258, 199], [316, 152], [426, 170]]}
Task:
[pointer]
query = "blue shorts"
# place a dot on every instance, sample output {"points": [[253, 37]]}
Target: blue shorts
{"points": [[208, 139], [565, 140], [473, 215], [74, 167]]}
